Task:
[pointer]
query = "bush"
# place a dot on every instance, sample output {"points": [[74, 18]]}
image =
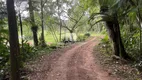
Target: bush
{"points": [[4, 61], [131, 43], [105, 40], [53, 46], [4, 53], [27, 53], [64, 40], [106, 45], [87, 34], [81, 38]]}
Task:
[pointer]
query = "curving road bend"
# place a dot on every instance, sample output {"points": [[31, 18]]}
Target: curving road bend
{"points": [[74, 63]]}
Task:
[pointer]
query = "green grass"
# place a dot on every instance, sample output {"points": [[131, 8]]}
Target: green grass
{"points": [[96, 34], [92, 34], [49, 39]]}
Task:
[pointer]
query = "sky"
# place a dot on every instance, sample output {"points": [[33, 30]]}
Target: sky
{"points": [[22, 7], [25, 13]]}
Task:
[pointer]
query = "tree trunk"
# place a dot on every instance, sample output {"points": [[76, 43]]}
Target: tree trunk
{"points": [[14, 42], [60, 31], [34, 31], [60, 37], [112, 34], [115, 36], [71, 33], [53, 32], [43, 44], [21, 29], [34, 28], [122, 49]]}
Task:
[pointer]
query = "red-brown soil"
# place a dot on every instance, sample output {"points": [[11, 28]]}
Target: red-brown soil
{"points": [[76, 62]]}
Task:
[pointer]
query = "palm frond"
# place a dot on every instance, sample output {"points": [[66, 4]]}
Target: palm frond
{"points": [[95, 23], [97, 15]]}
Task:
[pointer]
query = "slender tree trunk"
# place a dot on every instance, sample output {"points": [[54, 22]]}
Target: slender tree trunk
{"points": [[34, 28], [34, 31], [71, 33], [60, 31], [54, 33], [60, 37], [21, 29], [54, 36], [14, 42], [43, 44]]}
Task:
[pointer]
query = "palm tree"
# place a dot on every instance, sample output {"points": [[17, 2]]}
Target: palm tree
{"points": [[110, 14]]}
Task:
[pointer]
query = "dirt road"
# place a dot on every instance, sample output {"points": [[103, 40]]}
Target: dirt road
{"points": [[73, 63]]}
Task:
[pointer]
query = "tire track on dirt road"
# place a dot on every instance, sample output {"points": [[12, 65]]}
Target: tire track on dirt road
{"points": [[77, 63]]}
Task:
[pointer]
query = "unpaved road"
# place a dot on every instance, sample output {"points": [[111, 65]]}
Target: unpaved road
{"points": [[74, 63]]}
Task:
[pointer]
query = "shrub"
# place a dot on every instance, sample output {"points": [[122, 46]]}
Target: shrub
{"points": [[131, 43], [81, 38], [105, 40], [106, 45], [27, 53], [4, 53], [87, 34]]}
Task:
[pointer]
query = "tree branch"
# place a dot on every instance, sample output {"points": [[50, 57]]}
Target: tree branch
{"points": [[77, 21], [95, 24]]}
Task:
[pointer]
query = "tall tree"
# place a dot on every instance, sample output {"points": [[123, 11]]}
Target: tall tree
{"points": [[59, 15], [20, 21], [34, 27], [110, 12], [14, 43], [75, 24], [75, 15], [43, 44]]}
